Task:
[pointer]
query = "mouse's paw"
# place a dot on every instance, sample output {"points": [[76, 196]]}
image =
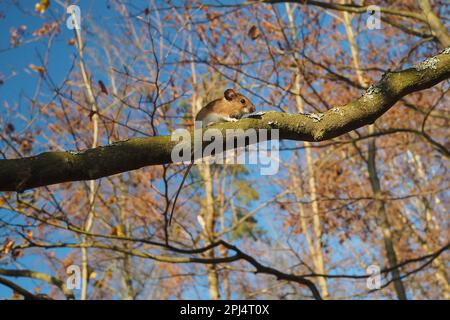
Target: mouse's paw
{"points": [[229, 119], [256, 115]]}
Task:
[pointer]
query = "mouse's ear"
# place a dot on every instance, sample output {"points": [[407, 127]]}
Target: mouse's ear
{"points": [[229, 94]]}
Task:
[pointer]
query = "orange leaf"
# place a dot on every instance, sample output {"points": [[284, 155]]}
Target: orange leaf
{"points": [[102, 87], [42, 6], [254, 33], [39, 69]]}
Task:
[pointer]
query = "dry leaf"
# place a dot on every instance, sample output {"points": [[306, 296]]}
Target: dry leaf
{"points": [[17, 253], [39, 69], [254, 33], [42, 6], [10, 128], [118, 231], [102, 87], [8, 245]]}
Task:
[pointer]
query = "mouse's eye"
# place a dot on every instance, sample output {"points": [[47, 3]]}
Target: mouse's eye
{"points": [[243, 101]]}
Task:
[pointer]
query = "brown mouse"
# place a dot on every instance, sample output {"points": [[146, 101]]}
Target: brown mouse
{"points": [[230, 108]]}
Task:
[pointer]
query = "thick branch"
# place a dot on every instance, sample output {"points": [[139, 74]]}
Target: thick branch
{"points": [[39, 276], [26, 294], [56, 167]]}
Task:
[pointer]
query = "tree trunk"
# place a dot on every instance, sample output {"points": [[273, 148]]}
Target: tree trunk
{"points": [[315, 244], [371, 166]]}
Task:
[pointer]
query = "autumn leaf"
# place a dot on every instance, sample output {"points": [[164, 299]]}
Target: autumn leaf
{"points": [[10, 128], [118, 231], [39, 69], [270, 27], [254, 33], [212, 15], [42, 6], [46, 29], [112, 200], [67, 261], [17, 254], [102, 87], [8, 244], [99, 284], [16, 296]]}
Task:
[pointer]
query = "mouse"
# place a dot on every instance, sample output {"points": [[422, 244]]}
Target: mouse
{"points": [[232, 107]]}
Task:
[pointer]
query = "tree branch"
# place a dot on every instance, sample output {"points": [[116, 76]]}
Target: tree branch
{"points": [[26, 294], [57, 167], [353, 8], [39, 276], [239, 255], [438, 28]]}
